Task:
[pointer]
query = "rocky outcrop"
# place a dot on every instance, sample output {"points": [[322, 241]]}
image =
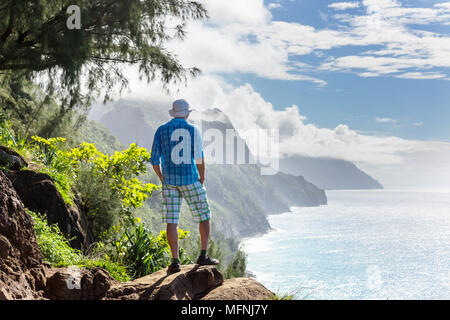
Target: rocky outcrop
{"points": [[74, 283], [21, 269], [193, 282], [11, 159], [39, 194], [239, 289]]}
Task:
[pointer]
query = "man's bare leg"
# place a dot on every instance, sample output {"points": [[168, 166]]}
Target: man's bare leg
{"points": [[204, 229], [172, 238]]}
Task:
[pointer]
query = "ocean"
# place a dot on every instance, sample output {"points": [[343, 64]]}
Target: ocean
{"points": [[382, 244]]}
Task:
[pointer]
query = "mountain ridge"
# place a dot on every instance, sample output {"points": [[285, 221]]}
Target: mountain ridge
{"points": [[329, 173], [241, 197], [325, 173]]}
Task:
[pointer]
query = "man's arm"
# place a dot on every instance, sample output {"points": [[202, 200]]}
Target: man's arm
{"points": [[198, 155], [156, 155], [201, 169], [157, 170]]}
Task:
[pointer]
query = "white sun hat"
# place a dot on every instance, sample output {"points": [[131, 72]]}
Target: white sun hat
{"points": [[180, 108]]}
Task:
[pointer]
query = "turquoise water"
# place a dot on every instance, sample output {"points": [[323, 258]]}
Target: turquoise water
{"points": [[363, 245]]}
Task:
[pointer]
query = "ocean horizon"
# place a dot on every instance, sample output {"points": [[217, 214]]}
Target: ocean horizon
{"points": [[365, 244]]}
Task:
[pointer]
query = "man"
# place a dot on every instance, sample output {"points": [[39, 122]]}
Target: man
{"points": [[178, 145]]}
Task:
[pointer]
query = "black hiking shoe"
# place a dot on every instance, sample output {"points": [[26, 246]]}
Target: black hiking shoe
{"points": [[174, 267], [207, 261]]}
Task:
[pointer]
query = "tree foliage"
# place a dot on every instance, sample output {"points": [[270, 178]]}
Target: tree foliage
{"points": [[35, 40]]}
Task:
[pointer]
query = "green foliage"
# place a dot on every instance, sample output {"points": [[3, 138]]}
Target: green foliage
{"points": [[104, 207], [107, 183], [56, 250], [116, 270], [102, 180], [119, 171], [285, 296], [57, 164], [114, 34], [93, 132], [32, 112], [53, 245], [237, 267], [141, 251], [9, 138], [109, 186]]}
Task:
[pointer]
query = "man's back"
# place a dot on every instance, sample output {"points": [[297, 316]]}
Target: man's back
{"points": [[178, 144]]}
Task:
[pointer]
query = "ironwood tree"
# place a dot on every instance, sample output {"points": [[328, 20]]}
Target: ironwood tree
{"points": [[80, 64]]}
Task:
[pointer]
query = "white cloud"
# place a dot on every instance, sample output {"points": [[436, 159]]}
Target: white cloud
{"points": [[343, 5], [386, 120], [394, 161], [418, 124], [274, 5], [242, 37], [216, 50], [369, 74], [248, 12], [444, 5], [421, 75], [402, 47]]}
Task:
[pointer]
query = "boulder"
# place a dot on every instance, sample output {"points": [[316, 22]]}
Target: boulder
{"points": [[77, 284], [11, 159], [20, 259], [39, 194], [192, 282], [239, 289]]}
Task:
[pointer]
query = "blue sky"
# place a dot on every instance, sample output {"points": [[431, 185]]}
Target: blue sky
{"points": [[418, 108], [421, 108]]}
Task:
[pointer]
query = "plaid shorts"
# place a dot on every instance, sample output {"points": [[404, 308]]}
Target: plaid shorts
{"points": [[195, 196]]}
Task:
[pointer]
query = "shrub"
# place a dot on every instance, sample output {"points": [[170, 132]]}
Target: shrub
{"points": [[141, 251], [103, 205], [53, 245], [109, 186], [9, 138], [237, 267], [56, 250]]}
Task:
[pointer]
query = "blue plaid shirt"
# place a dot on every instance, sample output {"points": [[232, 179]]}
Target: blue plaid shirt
{"points": [[178, 144]]}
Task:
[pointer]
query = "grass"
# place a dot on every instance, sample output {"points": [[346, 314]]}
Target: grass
{"points": [[284, 296], [57, 252], [292, 295]]}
